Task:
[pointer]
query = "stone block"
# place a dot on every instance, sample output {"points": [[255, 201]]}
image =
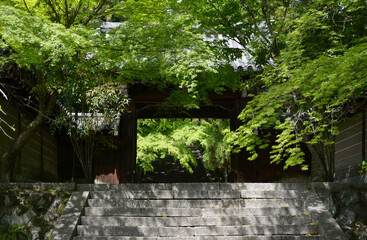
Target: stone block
{"points": [[348, 198], [65, 227]]}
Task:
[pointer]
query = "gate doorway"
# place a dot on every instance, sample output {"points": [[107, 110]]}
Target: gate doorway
{"points": [[182, 150], [146, 104]]}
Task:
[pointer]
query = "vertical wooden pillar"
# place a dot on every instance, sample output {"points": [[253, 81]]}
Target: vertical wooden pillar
{"points": [[127, 133], [41, 153], [243, 169], [363, 136], [232, 177]]}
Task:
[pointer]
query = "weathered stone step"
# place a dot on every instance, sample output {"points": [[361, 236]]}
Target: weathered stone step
{"points": [[269, 211], [148, 194], [204, 186], [192, 186], [240, 186], [248, 237], [260, 194], [125, 187], [196, 194], [167, 194], [209, 194], [196, 231], [194, 221], [199, 203], [158, 186]]}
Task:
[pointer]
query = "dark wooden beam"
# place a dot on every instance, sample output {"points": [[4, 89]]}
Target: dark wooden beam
{"points": [[154, 111], [243, 169], [128, 136], [145, 94]]}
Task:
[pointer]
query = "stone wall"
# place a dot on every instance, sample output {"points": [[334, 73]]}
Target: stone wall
{"points": [[348, 205], [32, 207]]}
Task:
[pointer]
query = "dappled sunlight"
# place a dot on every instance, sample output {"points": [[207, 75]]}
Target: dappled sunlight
{"points": [[194, 210], [66, 225]]}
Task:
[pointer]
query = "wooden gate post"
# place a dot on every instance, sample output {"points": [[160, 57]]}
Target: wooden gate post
{"points": [[242, 169], [127, 133]]}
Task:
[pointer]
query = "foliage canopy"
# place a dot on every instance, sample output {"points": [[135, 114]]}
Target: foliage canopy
{"points": [[58, 45], [310, 57], [317, 80]]}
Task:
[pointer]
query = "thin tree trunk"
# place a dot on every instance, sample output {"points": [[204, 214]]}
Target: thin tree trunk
{"points": [[84, 149], [319, 156], [331, 159], [9, 158]]}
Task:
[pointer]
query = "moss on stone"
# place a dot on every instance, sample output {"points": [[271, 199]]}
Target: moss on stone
{"points": [[24, 212]]}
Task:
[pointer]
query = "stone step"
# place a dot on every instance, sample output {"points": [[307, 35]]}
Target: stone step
{"points": [[194, 221], [262, 194], [193, 186], [157, 186], [148, 194], [273, 186], [197, 211], [206, 194], [125, 187], [248, 237], [204, 186], [198, 203], [196, 231], [195, 194], [167, 194], [240, 186], [162, 212]]}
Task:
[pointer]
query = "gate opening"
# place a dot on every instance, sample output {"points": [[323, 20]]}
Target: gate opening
{"points": [[182, 150]]}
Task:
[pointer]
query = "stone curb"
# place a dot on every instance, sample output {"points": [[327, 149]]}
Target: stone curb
{"points": [[66, 226], [38, 186], [328, 228]]}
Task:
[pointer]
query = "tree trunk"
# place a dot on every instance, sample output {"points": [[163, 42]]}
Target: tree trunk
{"points": [[318, 154], [9, 158], [84, 149]]}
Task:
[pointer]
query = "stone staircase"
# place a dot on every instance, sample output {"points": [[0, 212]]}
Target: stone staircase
{"points": [[198, 211]]}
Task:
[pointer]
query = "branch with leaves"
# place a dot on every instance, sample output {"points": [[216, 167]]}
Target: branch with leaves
{"points": [[158, 139], [317, 81]]}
